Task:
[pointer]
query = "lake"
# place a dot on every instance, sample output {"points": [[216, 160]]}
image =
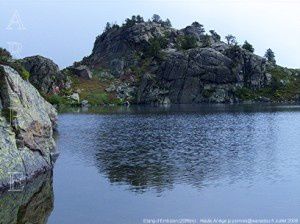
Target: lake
{"points": [[183, 163]]}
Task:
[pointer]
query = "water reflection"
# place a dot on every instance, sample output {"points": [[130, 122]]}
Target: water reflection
{"points": [[152, 150], [33, 205]]}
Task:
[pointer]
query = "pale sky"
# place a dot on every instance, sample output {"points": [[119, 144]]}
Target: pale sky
{"points": [[65, 30]]}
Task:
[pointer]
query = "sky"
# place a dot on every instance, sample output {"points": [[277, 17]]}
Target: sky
{"points": [[65, 30]]}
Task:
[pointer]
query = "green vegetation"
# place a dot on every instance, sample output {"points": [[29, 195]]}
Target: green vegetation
{"points": [[134, 20], [247, 46], [215, 35], [56, 99], [155, 46], [199, 26], [231, 40], [207, 93], [4, 55], [270, 56], [94, 91], [206, 40], [6, 59], [187, 42], [283, 87]]}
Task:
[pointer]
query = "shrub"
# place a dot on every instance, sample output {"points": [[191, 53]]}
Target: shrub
{"points": [[187, 42], [206, 41], [156, 44], [167, 23], [156, 18], [231, 40], [215, 35], [24, 74], [247, 46], [4, 55], [55, 99], [20, 69]]}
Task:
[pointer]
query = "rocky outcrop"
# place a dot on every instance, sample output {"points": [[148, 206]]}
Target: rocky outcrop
{"points": [[207, 71], [117, 48], [203, 75], [26, 128], [44, 74]]}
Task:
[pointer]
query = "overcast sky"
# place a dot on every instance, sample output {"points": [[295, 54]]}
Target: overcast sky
{"points": [[65, 30]]}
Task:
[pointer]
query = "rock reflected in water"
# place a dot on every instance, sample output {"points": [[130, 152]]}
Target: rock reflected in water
{"points": [[32, 205]]}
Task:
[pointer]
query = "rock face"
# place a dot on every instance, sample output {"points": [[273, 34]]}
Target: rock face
{"points": [[44, 74], [203, 75], [82, 72], [210, 71], [117, 48], [26, 128]]}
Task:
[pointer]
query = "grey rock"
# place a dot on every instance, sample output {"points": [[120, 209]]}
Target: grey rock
{"points": [[44, 74], [84, 103], [26, 128], [82, 71], [75, 97], [117, 67]]}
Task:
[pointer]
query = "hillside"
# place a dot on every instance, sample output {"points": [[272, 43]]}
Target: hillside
{"points": [[149, 62]]}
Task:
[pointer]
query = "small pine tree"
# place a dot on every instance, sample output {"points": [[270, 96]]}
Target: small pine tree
{"points": [[187, 42], [231, 40], [199, 26], [167, 23], [156, 18], [107, 27], [247, 46], [215, 35], [270, 56], [139, 19]]}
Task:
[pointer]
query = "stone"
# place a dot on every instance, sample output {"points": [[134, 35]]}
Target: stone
{"points": [[82, 71], [44, 74], [75, 97], [117, 67], [26, 128], [84, 103], [268, 78]]}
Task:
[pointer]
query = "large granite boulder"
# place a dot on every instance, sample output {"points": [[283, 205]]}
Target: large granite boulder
{"points": [[26, 128], [44, 74]]}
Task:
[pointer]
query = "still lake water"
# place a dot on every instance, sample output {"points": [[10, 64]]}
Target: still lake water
{"points": [[180, 162], [194, 162]]}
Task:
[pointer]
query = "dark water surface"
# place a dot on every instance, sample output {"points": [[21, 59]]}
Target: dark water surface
{"points": [[123, 165]]}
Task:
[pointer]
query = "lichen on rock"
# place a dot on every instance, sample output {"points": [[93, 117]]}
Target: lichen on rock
{"points": [[26, 128]]}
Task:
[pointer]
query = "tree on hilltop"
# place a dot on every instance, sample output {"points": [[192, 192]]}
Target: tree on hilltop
{"points": [[270, 56], [247, 46], [231, 40]]}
